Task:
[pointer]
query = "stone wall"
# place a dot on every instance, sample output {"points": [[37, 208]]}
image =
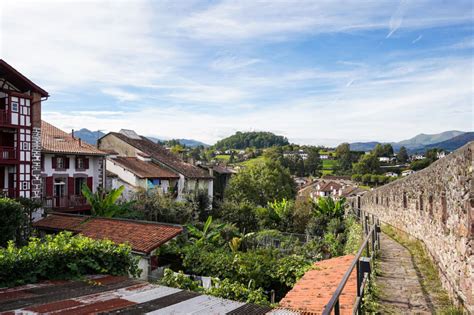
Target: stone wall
{"points": [[436, 205], [36, 163]]}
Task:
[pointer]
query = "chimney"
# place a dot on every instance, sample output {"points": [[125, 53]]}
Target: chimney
{"points": [[72, 133], [80, 142]]}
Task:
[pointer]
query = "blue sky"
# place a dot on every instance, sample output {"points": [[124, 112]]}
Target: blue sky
{"points": [[318, 72]]}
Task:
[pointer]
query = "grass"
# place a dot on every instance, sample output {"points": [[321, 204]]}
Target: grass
{"points": [[250, 162], [222, 157], [430, 281], [329, 164]]}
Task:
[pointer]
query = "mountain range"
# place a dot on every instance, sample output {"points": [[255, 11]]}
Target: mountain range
{"points": [[92, 136], [448, 140]]}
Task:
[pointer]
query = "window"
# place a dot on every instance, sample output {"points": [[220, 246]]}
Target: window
{"points": [[80, 163], [25, 186], [78, 182], [14, 107], [405, 201], [25, 146], [60, 162]]}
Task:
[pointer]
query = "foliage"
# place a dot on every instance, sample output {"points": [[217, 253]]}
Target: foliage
{"points": [[313, 164], [354, 236], [372, 179], [208, 234], [238, 292], [103, 204], [259, 140], [345, 158], [64, 256], [154, 205], [261, 183], [179, 280], [420, 164], [383, 150], [368, 164], [241, 213], [13, 222], [402, 155]]}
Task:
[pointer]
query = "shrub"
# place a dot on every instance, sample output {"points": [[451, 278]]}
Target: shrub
{"points": [[64, 256], [238, 292], [13, 222], [179, 280]]}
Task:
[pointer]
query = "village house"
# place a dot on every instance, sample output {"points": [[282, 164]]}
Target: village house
{"points": [[407, 172], [384, 159], [20, 134], [68, 163], [139, 162], [391, 174], [144, 237]]}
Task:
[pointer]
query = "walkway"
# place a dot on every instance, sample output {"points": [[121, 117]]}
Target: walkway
{"points": [[399, 281]]}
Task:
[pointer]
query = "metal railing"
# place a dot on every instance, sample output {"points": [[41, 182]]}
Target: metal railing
{"points": [[362, 264], [64, 202]]}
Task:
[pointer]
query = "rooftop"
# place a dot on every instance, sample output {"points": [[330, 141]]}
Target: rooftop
{"points": [[143, 236], [19, 80], [114, 295], [54, 140], [143, 169], [159, 153], [314, 290]]}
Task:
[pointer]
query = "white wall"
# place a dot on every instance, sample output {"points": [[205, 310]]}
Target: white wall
{"points": [[93, 171]]}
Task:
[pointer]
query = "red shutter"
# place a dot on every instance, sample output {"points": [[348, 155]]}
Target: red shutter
{"points": [[54, 162], [89, 182], [86, 163], [70, 186], [66, 162], [49, 186]]}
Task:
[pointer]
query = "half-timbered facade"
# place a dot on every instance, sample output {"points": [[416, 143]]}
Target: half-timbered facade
{"points": [[68, 163], [20, 134]]}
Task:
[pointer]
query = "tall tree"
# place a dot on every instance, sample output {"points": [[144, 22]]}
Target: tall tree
{"points": [[368, 164], [402, 155], [313, 164], [261, 183], [343, 154]]}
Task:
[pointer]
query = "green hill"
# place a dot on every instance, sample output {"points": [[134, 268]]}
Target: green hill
{"points": [[259, 140]]}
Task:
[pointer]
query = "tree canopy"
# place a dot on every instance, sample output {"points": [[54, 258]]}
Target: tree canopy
{"points": [[259, 140]]}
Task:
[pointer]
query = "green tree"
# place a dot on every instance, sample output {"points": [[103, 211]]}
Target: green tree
{"points": [[208, 234], [13, 221], [103, 204], [368, 164], [261, 183], [402, 155], [343, 154], [313, 164]]}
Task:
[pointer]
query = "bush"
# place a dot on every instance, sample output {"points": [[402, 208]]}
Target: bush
{"points": [[242, 214], [14, 221], [179, 280], [64, 256], [238, 292]]}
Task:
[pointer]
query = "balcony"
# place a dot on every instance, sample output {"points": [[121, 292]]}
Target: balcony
{"points": [[73, 203], [7, 153]]}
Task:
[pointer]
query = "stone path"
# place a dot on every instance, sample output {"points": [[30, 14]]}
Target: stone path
{"points": [[399, 281]]}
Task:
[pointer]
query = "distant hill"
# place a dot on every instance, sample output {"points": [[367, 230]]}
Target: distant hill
{"points": [[190, 143], [88, 136], [414, 144], [259, 140], [453, 143]]}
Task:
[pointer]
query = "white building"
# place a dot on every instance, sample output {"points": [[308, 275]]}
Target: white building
{"points": [[407, 172], [67, 163], [127, 144], [391, 174]]}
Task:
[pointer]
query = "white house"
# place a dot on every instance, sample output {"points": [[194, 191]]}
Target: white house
{"points": [[407, 172], [391, 174], [384, 159], [67, 163], [127, 145]]}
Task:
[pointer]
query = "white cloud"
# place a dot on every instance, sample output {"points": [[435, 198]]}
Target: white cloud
{"points": [[121, 95]]}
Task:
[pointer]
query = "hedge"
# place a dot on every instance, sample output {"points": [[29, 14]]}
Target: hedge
{"points": [[64, 256]]}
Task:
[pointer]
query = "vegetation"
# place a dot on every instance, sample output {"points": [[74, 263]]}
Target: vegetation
{"points": [[14, 224], [259, 140], [430, 281], [261, 183], [103, 203], [64, 256]]}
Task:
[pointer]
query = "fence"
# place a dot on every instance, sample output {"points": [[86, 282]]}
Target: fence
{"points": [[362, 264]]}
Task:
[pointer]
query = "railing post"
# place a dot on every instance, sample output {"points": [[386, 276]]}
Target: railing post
{"points": [[336, 307], [359, 282]]}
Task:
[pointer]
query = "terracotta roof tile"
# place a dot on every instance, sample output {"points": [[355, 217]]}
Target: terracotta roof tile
{"points": [[314, 290], [144, 169], [142, 236], [159, 153], [54, 140]]}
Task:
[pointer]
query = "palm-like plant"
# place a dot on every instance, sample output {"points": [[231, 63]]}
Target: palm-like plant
{"points": [[327, 207], [103, 204], [208, 233]]}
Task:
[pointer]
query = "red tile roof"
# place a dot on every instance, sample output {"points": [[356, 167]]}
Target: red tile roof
{"points": [[159, 153], [54, 140], [314, 290], [142, 236], [143, 169]]}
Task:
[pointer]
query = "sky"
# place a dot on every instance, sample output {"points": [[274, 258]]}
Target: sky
{"points": [[318, 72]]}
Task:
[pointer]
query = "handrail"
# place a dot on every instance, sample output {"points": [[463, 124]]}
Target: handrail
{"points": [[362, 275]]}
